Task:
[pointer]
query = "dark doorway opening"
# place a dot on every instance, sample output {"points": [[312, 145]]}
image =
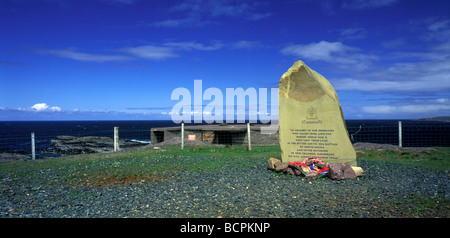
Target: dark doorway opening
{"points": [[159, 136], [229, 137]]}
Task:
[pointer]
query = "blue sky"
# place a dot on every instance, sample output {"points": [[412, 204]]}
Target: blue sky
{"points": [[121, 59]]}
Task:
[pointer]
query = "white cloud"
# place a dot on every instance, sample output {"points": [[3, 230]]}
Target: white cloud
{"points": [[258, 16], [316, 51], [244, 44], [150, 52], [366, 4], [439, 30], [139, 52], [423, 71], [410, 109], [122, 1], [439, 25], [44, 107], [195, 13], [431, 76], [191, 45], [430, 29], [40, 106], [47, 112], [393, 44], [220, 8], [165, 51], [190, 21], [215, 45], [442, 100], [331, 7], [356, 33], [331, 52], [72, 54], [170, 22]]}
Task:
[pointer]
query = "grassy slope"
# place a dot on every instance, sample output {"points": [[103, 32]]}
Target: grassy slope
{"points": [[133, 166], [144, 165], [433, 159]]}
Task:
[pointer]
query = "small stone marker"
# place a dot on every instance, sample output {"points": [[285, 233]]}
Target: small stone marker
{"points": [[311, 119], [271, 163]]}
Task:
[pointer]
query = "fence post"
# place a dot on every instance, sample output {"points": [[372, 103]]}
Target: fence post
{"points": [[400, 133], [33, 147], [248, 136], [182, 135], [116, 139]]}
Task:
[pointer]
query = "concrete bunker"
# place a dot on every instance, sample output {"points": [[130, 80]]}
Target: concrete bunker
{"points": [[158, 136], [229, 137], [235, 134]]}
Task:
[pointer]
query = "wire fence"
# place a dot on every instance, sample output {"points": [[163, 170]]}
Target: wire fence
{"points": [[22, 144], [405, 135]]}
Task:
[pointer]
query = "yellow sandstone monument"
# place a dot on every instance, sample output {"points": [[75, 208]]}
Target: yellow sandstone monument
{"points": [[311, 119]]}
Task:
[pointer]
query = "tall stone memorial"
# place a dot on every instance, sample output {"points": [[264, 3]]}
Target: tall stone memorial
{"points": [[311, 119]]}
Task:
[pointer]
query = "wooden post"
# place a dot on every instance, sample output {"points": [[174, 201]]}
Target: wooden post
{"points": [[33, 147], [248, 136], [182, 135], [116, 139], [400, 133]]}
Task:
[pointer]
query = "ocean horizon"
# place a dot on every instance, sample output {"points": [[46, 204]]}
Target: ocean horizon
{"points": [[15, 135], [56, 127]]}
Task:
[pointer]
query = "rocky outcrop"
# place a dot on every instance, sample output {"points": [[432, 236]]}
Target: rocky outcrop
{"points": [[340, 171], [271, 163], [335, 171], [281, 167], [447, 119], [314, 168], [6, 157], [87, 144]]}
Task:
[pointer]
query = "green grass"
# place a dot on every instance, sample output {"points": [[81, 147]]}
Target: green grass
{"points": [[439, 158], [152, 165], [136, 166]]}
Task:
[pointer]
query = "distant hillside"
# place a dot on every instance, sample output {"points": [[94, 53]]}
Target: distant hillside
{"points": [[436, 119]]}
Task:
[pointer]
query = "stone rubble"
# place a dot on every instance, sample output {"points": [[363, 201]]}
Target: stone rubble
{"points": [[334, 171]]}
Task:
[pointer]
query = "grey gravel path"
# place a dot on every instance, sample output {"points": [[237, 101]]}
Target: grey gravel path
{"points": [[384, 191]]}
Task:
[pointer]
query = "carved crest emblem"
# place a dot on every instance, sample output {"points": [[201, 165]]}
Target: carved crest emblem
{"points": [[311, 113]]}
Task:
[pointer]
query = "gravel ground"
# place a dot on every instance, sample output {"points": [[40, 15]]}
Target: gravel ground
{"points": [[385, 190]]}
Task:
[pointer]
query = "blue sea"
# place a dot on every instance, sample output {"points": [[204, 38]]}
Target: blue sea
{"points": [[16, 135]]}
